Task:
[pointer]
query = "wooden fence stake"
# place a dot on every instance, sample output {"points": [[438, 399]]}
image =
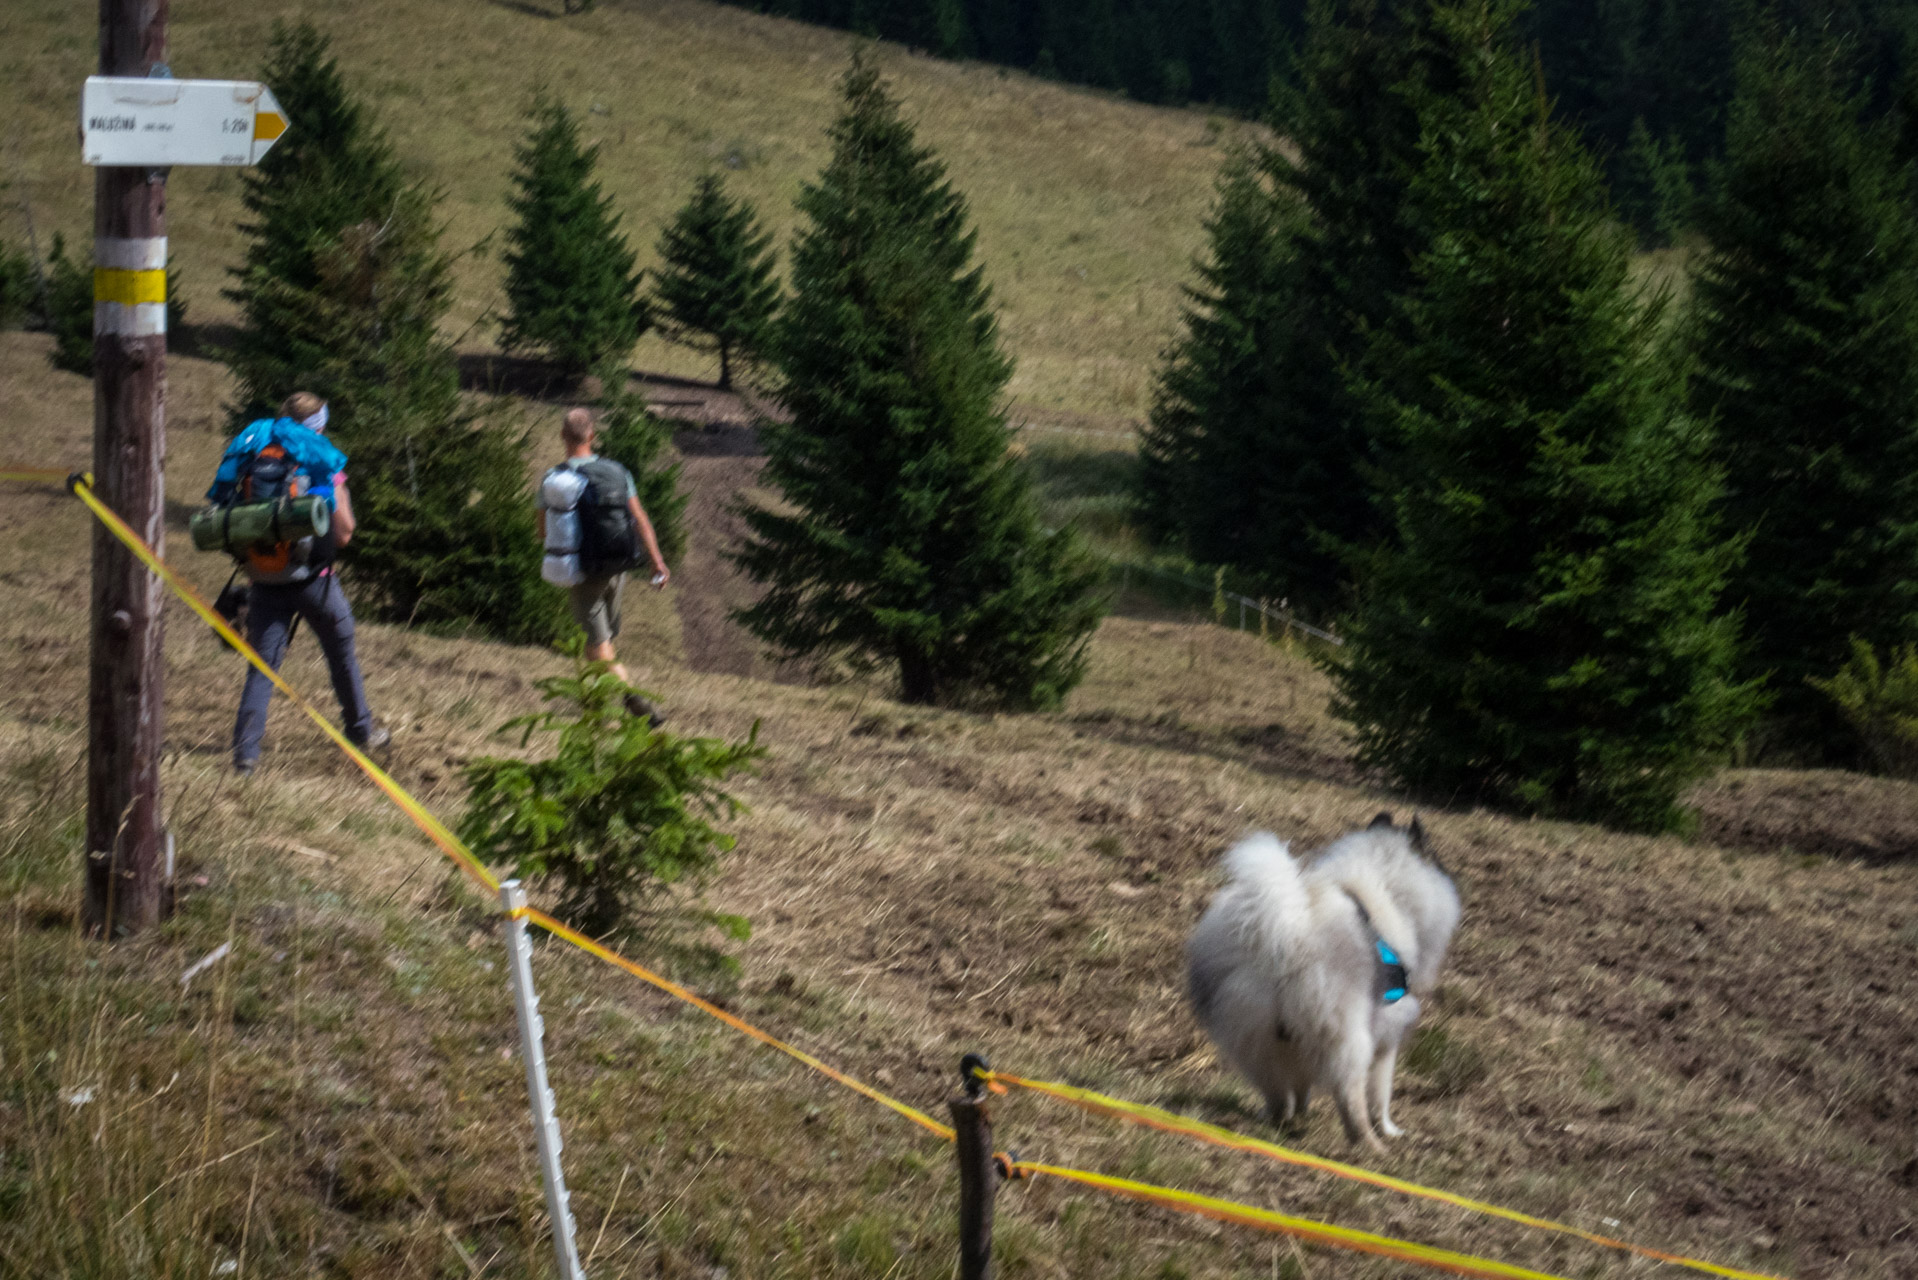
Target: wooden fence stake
{"points": [[978, 1172]]}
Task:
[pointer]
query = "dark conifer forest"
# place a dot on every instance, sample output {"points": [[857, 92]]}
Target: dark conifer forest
{"points": [[1608, 64]]}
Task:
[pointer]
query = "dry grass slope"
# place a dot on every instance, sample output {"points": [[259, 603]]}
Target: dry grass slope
{"points": [[1701, 1047], [1088, 207]]}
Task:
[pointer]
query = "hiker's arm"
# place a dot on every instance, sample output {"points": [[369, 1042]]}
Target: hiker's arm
{"points": [[660, 572], [343, 523]]}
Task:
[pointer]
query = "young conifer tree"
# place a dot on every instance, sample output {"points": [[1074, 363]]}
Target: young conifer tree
{"points": [[571, 287], [910, 535], [1215, 389], [1652, 187], [1540, 632], [714, 287], [342, 294], [1805, 337]]}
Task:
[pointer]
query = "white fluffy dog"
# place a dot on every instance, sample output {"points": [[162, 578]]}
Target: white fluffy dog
{"points": [[1310, 972]]}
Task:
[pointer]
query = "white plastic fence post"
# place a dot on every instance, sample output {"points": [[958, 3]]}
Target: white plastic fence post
{"points": [[519, 954]]}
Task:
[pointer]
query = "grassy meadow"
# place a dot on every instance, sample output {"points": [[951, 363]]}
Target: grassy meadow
{"points": [[1694, 1045], [1088, 207], [1702, 1045]]}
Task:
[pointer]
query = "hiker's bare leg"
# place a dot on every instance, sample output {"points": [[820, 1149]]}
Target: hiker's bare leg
{"points": [[604, 653]]}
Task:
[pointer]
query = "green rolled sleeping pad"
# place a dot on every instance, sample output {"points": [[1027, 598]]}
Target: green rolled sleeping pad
{"points": [[260, 524]]}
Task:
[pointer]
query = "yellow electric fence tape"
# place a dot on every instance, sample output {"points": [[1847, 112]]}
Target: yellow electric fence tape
{"points": [[611, 957], [1304, 1228], [1183, 1201], [1153, 1117], [449, 843], [130, 288]]}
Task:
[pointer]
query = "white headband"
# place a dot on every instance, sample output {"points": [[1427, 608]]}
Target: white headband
{"points": [[317, 422]]}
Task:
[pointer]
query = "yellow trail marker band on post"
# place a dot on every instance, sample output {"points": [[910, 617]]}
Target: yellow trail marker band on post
{"points": [[1463, 1264], [129, 288], [1169, 1122]]}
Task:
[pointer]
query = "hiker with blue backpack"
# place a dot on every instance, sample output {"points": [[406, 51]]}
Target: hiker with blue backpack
{"points": [[282, 510], [594, 530]]}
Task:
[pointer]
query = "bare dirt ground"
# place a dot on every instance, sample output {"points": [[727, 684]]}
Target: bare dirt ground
{"points": [[1812, 811], [1700, 1045]]}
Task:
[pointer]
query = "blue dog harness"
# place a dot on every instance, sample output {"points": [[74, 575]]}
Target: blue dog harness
{"points": [[1393, 981], [1394, 977]]}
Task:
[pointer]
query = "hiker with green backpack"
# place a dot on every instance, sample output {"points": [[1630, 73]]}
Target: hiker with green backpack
{"points": [[281, 509], [594, 530]]}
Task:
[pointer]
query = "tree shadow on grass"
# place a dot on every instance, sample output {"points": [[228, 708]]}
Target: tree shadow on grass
{"points": [[530, 10], [522, 376], [1268, 749], [212, 341]]}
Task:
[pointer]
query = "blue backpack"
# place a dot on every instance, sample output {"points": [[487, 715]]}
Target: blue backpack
{"points": [[311, 454], [275, 458]]}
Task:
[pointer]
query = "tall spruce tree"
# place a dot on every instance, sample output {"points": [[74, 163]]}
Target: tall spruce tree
{"points": [[1805, 335], [1279, 489], [571, 287], [1214, 389], [1539, 633], [343, 291], [1352, 117], [911, 535], [333, 171], [714, 287]]}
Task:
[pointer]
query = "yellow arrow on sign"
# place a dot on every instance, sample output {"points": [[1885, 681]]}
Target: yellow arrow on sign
{"points": [[268, 125]]}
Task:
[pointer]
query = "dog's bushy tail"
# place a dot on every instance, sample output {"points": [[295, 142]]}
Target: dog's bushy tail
{"points": [[1266, 888], [1262, 903]]}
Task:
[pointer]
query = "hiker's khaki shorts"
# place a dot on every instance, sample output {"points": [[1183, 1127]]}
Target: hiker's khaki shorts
{"points": [[596, 607]]}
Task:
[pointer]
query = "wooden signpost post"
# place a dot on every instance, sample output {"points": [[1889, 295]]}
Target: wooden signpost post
{"points": [[125, 871], [135, 121]]}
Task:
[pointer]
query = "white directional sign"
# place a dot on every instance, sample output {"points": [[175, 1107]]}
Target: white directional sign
{"points": [[128, 120]]}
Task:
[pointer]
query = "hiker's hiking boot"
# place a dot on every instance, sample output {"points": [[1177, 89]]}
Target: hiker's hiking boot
{"points": [[376, 737], [643, 707]]}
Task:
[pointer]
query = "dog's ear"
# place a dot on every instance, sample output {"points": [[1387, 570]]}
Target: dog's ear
{"points": [[1385, 820], [1422, 845]]}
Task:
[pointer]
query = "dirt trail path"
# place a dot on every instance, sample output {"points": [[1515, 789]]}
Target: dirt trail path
{"points": [[721, 463], [708, 586]]}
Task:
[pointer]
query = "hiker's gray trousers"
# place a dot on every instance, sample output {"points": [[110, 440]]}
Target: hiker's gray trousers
{"points": [[270, 611]]}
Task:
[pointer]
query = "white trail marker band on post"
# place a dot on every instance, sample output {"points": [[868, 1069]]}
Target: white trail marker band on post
{"points": [[133, 121], [519, 967]]}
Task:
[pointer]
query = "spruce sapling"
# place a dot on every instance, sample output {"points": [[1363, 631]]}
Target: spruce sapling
{"points": [[571, 286], [714, 287]]}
